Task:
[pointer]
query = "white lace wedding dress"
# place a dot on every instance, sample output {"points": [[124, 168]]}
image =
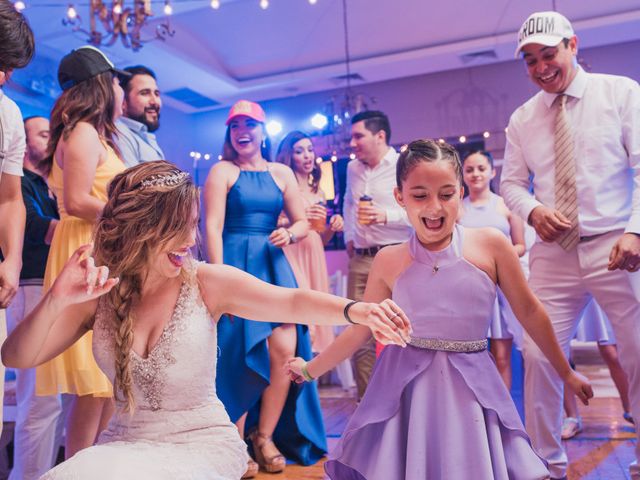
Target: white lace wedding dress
{"points": [[179, 429]]}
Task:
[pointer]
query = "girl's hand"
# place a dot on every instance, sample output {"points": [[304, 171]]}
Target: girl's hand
{"points": [[386, 320], [280, 237], [580, 386], [293, 368], [80, 279], [336, 223]]}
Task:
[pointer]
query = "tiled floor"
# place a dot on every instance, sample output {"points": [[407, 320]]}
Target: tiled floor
{"points": [[602, 451]]}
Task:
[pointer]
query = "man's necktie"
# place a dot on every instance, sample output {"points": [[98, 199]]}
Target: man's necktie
{"points": [[565, 178]]}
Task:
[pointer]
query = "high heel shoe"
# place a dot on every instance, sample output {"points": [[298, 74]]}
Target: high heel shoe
{"points": [[252, 469], [272, 464]]}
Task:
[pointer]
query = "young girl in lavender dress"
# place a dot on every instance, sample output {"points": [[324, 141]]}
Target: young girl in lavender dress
{"points": [[438, 408], [483, 208]]}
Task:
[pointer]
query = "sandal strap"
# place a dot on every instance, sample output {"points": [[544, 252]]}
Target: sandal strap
{"points": [[266, 439]]}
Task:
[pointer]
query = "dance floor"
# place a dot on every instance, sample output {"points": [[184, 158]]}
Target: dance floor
{"points": [[602, 451]]}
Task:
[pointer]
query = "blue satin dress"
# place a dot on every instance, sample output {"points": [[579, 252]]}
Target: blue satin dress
{"points": [[253, 205]]}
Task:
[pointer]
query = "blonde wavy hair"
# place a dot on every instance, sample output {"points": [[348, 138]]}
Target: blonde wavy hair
{"points": [[148, 206]]}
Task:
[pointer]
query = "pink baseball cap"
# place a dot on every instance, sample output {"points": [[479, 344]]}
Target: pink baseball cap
{"points": [[248, 109]]}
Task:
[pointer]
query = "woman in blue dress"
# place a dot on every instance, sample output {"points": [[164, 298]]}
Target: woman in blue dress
{"points": [[243, 196]]}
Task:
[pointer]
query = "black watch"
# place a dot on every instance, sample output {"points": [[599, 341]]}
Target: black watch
{"points": [[292, 237]]}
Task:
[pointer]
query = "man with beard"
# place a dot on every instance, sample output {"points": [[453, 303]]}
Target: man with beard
{"points": [[140, 118]]}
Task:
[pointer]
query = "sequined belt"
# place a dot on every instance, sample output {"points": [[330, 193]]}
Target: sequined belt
{"points": [[461, 346]]}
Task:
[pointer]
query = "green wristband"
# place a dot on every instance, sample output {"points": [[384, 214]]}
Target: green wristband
{"points": [[305, 373]]}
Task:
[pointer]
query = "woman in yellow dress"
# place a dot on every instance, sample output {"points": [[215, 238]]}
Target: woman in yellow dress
{"points": [[81, 162]]}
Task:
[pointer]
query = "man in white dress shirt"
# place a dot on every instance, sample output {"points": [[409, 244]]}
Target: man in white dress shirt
{"points": [[382, 223], [579, 139], [140, 117]]}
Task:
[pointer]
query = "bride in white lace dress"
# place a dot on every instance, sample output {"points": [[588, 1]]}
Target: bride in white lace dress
{"points": [[154, 325]]}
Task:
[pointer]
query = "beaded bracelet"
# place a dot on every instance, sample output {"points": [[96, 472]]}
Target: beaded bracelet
{"points": [[346, 311], [305, 373]]}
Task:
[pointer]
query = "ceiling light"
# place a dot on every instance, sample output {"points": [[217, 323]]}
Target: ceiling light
{"points": [[72, 14], [274, 127], [319, 121]]}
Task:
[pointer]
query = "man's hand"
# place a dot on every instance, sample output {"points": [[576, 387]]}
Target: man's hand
{"points": [[625, 254], [9, 280], [372, 215], [548, 223]]}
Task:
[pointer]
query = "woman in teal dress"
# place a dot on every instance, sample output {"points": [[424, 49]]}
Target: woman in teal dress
{"points": [[243, 196]]}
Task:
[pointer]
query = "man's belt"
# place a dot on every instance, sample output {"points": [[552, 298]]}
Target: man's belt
{"points": [[371, 251]]}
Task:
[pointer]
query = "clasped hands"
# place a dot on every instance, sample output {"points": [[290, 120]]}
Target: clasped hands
{"points": [[386, 320]]}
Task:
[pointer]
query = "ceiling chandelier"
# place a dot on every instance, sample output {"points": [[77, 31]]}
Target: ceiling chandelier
{"points": [[120, 19], [335, 122]]}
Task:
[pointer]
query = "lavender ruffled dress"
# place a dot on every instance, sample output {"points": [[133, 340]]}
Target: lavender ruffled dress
{"points": [[428, 414]]}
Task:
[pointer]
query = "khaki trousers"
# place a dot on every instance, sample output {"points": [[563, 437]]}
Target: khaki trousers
{"points": [[364, 359]]}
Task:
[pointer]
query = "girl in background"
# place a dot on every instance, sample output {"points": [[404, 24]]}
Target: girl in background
{"points": [[483, 208]]}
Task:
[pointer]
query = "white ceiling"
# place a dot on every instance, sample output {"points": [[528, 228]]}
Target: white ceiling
{"points": [[294, 47]]}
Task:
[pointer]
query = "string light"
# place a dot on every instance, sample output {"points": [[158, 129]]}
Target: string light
{"points": [[168, 9], [462, 139], [352, 156], [264, 4], [486, 134], [215, 4], [117, 9], [313, 2], [72, 14], [19, 5]]}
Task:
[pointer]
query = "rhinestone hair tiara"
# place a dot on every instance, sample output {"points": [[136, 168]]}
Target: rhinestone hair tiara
{"points": [[164, 180]]}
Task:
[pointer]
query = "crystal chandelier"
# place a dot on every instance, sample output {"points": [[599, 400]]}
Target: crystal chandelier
{"points": [[119, 20], [335, 122]]}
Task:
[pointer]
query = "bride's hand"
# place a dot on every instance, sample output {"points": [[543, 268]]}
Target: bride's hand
{"points": [[386, 320], [80, 279]]}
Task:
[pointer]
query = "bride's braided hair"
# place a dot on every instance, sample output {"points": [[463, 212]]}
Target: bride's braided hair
{"points": [[148, 206]]}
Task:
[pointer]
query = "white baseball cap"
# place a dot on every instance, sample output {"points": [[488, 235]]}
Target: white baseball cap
{"points": [[545, 28]]}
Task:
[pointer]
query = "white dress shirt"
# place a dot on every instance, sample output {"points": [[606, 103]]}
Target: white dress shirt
{"points": [[604, 114], [12, 137], [378, 183], [136, 143]]}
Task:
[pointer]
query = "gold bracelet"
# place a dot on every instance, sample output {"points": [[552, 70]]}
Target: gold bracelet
{"points": [[305, 373]]}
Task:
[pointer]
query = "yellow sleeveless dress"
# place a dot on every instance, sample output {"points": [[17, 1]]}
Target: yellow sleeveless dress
{"points": [[75, 370]]}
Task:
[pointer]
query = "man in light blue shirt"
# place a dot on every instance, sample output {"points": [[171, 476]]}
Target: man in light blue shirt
{"points": [[141, 117]]}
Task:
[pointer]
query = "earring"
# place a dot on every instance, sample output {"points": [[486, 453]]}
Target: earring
{"points": [[264, 143]]}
